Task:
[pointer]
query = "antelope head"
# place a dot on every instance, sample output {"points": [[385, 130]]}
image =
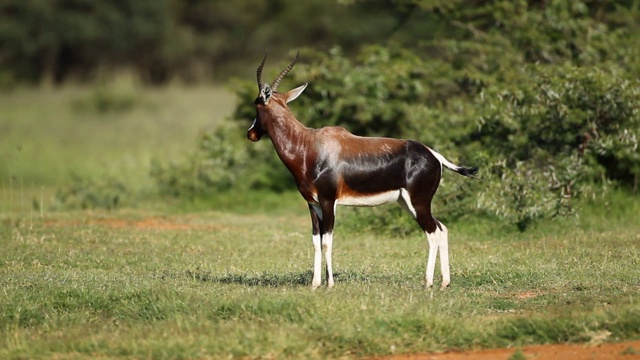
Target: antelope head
{"points": [[270, 103]]}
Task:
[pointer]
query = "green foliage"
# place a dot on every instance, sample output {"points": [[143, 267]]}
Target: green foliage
{"points": [[58, 38], [555, 135], [167, 39], [561, 111], [524, 193], [107, 99], [223, 160], [203, 39], [84, 193], [359, 95], [214, 165]]}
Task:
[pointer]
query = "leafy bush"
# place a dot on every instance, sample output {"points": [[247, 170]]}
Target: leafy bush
{"points": [[83, 193], [525, 192], [106, 99], [214, 165], [223, 159], [554, 136]]}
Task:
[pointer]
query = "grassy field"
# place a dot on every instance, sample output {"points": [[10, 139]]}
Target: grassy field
{"points": [[140, 284], [152, 281], [115, 129], [53, 139]]}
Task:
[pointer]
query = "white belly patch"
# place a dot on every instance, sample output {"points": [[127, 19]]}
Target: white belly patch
{"points": [[370, 200]]}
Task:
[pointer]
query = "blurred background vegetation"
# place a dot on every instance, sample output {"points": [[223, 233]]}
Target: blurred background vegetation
{"points": [[543, 96]]}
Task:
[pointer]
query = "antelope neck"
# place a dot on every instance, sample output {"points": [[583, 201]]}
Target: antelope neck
{"points": [[290, 139]]}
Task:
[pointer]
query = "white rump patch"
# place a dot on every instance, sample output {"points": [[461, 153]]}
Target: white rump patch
{"points": [[370, 200]]}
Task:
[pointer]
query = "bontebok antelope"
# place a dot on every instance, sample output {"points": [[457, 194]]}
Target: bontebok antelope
{"points": [[333, 167]]}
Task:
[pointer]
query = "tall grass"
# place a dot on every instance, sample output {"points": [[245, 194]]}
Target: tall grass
{"points": [[49, 131], [111, 132]]}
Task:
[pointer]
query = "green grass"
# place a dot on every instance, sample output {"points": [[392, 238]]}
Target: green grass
{"points": [[239, 285], [95, 140], [115, 129]]}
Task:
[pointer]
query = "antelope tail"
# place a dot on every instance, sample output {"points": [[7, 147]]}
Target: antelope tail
{"points": [[465, 171]]}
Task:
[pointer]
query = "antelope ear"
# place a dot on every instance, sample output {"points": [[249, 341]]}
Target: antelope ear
{"points": [[294, 93]]}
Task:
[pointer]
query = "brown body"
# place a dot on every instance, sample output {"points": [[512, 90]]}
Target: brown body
{"points": [[331, 166]]}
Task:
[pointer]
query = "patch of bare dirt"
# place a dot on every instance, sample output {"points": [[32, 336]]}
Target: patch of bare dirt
{"points": [[616, 351], [526, 295]]}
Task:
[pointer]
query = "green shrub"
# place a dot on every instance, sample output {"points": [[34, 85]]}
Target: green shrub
{"points": [[84, 193], [106, 99], [214, 165], [555, 136], [223, 159]]}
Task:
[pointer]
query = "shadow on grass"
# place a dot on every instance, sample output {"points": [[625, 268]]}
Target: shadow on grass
{"points": [[283, 279]]}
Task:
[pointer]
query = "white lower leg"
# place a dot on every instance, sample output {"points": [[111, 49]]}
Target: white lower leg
{"points": [[317, 262], [327, 245], [444, 255], [431, 262]]}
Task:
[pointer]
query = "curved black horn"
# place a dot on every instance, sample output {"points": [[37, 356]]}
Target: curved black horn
{"points": [[259, 72], [284, 72]]}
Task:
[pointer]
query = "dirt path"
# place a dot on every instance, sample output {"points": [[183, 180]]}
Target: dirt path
{"points": [[616, 351]]}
